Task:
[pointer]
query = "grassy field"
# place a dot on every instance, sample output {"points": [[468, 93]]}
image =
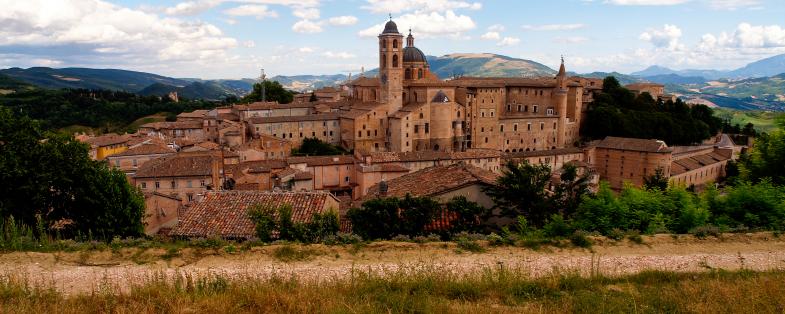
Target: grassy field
{"points": [[423, 291], [764, 121]]}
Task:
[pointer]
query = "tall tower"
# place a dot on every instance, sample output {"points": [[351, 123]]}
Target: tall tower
{"points": [[391, 66], [560, 103]]}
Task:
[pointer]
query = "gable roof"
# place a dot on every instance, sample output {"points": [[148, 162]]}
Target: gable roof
{"points": [[107, 139], [225, 213], [146, 149], [312, 161], [435, 180], [180, 165], [696, 162], [634, 144]]}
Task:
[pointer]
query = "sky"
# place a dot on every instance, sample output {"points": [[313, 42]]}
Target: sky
{"points": [[213, 39]]}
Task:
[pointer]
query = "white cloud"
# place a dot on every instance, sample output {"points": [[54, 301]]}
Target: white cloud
{"points": [[94, 26], [192, 7], [427, 24], [647, 2], [338, 55], [491, 36], [306, 13], [307, 27], [746, 36], [667, 37], [398, 6], [345, 20], [305, 49], [508, 41], [553, 27], [571, 40], [496, 28], [259, 11], [733, 4], [249, 44]]}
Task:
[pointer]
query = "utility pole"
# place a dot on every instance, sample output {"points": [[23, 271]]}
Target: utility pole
{"points": [[262, 79]]}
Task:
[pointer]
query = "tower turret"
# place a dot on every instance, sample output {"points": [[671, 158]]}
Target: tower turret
{"points": [[391, 66]]}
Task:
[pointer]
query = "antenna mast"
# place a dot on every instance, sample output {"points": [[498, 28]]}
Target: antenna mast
{"points": [[262, 80]]}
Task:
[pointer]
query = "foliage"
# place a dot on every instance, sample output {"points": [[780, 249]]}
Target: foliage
{"points": [[273, 91], [108, 110], [470, 215], [571, 189], [520, 190], [268, 219], [767, 158], [384, 218], [658, 180], [316, 147], [616, 111], [48, 178]]}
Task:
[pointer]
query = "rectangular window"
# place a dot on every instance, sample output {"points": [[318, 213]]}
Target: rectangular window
{"points": [[157, 184], [528, 126], [201, 183], [427, 129], [173, 184], [534, 109], [144, 185]]}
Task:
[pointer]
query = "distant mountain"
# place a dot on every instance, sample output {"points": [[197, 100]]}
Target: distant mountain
{"points": [[130, 81], [10, 85], [762, 68], [674, 79], [766, 67], [110, 79], [303, 83], [624, 79], [197, 90], [659, 71], [486, 65]]}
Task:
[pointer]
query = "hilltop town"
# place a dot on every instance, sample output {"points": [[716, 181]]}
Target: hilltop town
{"points": [[409, 133]]}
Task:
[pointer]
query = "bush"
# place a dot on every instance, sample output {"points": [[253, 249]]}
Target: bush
{"points": [[557, 227], [579, 239], [267, 219], [470, 245], [703, 232]]}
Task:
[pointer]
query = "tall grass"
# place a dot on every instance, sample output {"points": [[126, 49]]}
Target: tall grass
{"points": [[425, 291]]}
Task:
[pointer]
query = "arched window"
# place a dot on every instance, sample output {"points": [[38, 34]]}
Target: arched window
{"points": [[384, 61], [395, 61], [408, 74], [419, 73], [395, 43]]}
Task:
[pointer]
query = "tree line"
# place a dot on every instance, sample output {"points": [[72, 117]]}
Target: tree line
{"points": [[616, 111]]}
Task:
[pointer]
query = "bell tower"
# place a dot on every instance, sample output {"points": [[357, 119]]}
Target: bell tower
{"points": [[391, 66]]}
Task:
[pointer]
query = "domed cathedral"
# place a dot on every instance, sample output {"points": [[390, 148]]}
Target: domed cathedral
{"points": [[415, 64], [408, 108]]}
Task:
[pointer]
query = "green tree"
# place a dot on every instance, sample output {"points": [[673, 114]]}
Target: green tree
{"points": [[767, 158], [313, 97], [520, 191], [383, 218], [658, 180], [316, 147], [264, 219], [50, 177], [571, 189], [470, 215], [273, 91]]}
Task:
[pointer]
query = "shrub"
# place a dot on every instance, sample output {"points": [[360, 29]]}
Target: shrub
{"points": [[579, 239], [288, 253], [635, 236], [470, 245], [616, 234], [702, 232], [556, 227], [402, 238]]}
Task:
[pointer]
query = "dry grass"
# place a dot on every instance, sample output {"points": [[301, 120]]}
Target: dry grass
{"points": [[424, 291]]}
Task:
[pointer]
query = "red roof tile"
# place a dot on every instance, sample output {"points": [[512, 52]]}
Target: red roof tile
{"points": [[225, 214], [435, 180]]}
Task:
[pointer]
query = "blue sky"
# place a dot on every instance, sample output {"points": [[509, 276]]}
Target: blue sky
{"points": [[234, 38]]}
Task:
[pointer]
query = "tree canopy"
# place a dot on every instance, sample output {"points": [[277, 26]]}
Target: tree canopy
{"points": [[316, 147], [50, 177], [273, 91], [616, 111]]}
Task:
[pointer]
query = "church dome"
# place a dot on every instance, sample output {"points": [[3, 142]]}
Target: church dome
{"points": [[412, 54], [390, 28]]}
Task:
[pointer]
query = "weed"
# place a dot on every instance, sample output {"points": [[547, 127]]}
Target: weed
{"points": [[470, 245], [634, 236], [288, 253], [171, 253], [702, 232], [579, 239]]}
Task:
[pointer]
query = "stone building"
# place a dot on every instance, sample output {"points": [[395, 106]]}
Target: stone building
{"points": [[408, 108], [295, 129], [184, 175], [265, 147], [629, 160], [133, 158]]}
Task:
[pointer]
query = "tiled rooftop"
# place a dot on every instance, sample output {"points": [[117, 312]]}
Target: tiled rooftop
{"points": [[225, 214], [696, 162], [312, 161], [634, 144], [310, 117], [435, 180], [146, 149], [180, 165]]}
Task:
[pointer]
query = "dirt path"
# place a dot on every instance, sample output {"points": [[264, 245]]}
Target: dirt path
{"points": [[85, 272]]}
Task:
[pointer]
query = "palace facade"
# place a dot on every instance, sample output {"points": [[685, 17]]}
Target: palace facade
{"points": [[409, 108]]}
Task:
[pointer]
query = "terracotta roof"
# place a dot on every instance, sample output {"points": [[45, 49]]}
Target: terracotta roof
{"points": [[107, 139], [384, 168], [258, 166], [146, 149], [180, 165], [310, 117], [225, 214], [172, 125], [201, 113], [312, 161], [435, 180], [270, 105], [634, 144], [365, 81], [431, 155], [696, 162], [550, 152]]}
